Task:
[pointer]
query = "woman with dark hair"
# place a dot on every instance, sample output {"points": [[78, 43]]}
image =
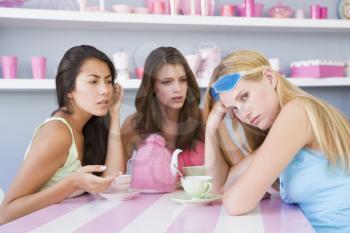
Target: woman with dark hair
{"points": [[81, 138], [167, 104]]}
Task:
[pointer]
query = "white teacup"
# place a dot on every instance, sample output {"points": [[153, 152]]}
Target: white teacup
{"points": [[120, 184], [197, 186], [195, 170]]}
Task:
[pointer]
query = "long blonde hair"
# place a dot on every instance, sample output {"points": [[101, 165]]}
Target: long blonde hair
{"points": [[330, 128]]}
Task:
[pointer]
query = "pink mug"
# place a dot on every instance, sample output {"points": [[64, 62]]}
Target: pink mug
{"points": [[39, 67], [139, 72], [323, 12], [9, 67], [315, 11], [227, 10], [157, 7]]}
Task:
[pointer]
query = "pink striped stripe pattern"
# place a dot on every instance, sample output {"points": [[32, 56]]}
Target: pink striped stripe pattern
{"points": [[196, 219], [120, 216], [287, 219], [38, 218], [276, 216]]}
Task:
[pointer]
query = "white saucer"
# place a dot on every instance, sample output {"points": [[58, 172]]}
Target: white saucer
{"points": [[119, 196], [150, 191], [184, 199]]}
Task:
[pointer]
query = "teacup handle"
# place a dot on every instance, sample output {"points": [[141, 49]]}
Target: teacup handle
{"points": [[208, 188]]}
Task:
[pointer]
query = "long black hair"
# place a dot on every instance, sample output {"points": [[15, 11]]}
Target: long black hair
{"points": [[96, 129], [148, 117]]}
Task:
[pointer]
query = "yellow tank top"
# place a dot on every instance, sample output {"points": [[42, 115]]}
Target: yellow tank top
{"points": [[72, 163]]}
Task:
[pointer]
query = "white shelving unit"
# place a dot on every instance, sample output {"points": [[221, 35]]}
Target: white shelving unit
{"points": [[133, 84], [36, 18]]}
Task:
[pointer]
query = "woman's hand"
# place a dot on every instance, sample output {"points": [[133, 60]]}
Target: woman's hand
{"points": [[117, 98], [216, 115], [84, 179]]}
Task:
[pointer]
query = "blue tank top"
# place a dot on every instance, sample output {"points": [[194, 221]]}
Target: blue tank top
{"points": [[321, 191]]}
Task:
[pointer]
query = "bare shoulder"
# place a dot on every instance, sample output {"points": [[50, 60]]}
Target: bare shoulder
{"points": [[57, 130], [294, 105], [291, 124], [53, 139], [130, 138], [293, 112], [128, 124]]}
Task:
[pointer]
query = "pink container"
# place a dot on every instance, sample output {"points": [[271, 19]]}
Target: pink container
{"points": [[258, 10], [9, 67], [139, 72], [185, 7], [280, 11], [156, 7], [317, 71], [39, 67], [227, 10], [324, 12], [315, 11], [249, 8]]}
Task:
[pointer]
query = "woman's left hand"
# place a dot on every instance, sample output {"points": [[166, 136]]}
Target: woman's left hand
{"points": [[117, 98]]}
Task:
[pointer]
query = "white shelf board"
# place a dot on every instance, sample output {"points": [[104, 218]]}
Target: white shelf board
{"points": [[48, 84], [321, 82], [10, 85], [38, 18], [304, 82]]}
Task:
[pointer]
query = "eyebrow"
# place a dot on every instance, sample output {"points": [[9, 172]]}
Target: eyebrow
{"points": [[239, 94], [97, 76], [171, 78]]}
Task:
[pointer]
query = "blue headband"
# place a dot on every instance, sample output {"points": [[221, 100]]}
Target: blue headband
{"points": [[225, 84]]}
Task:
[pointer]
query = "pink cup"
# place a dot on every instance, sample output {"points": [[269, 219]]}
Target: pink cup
{"points": [[249, 8], [258, 9], [158, 7], [139, 72], [315, 11], [39, 67], [227, 10], [324, 12], [9, 67]]}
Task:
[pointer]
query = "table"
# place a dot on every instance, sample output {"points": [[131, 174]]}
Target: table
{"points": [[158, 213]]}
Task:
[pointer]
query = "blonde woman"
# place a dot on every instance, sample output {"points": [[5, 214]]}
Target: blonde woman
{"points": [[289, 134]]}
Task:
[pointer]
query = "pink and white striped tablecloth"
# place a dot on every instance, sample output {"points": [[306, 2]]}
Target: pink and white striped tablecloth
{"points": [[158, 213]]}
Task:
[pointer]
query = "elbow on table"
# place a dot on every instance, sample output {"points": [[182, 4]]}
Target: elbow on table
{"points": [[236, 207]]}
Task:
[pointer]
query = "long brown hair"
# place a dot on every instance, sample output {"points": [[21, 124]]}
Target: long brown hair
{"points": [[96, 129], [330, 127], [148, 120]]}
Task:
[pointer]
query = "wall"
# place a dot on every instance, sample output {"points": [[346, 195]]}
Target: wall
{"points": [[21, 112]]}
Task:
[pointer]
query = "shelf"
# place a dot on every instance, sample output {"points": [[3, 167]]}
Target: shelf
{"points": [[10, 85], [321, 82], [50, 19]]}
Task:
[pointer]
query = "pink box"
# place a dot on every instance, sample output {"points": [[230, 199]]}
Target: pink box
{"points": [[317, 71]]}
